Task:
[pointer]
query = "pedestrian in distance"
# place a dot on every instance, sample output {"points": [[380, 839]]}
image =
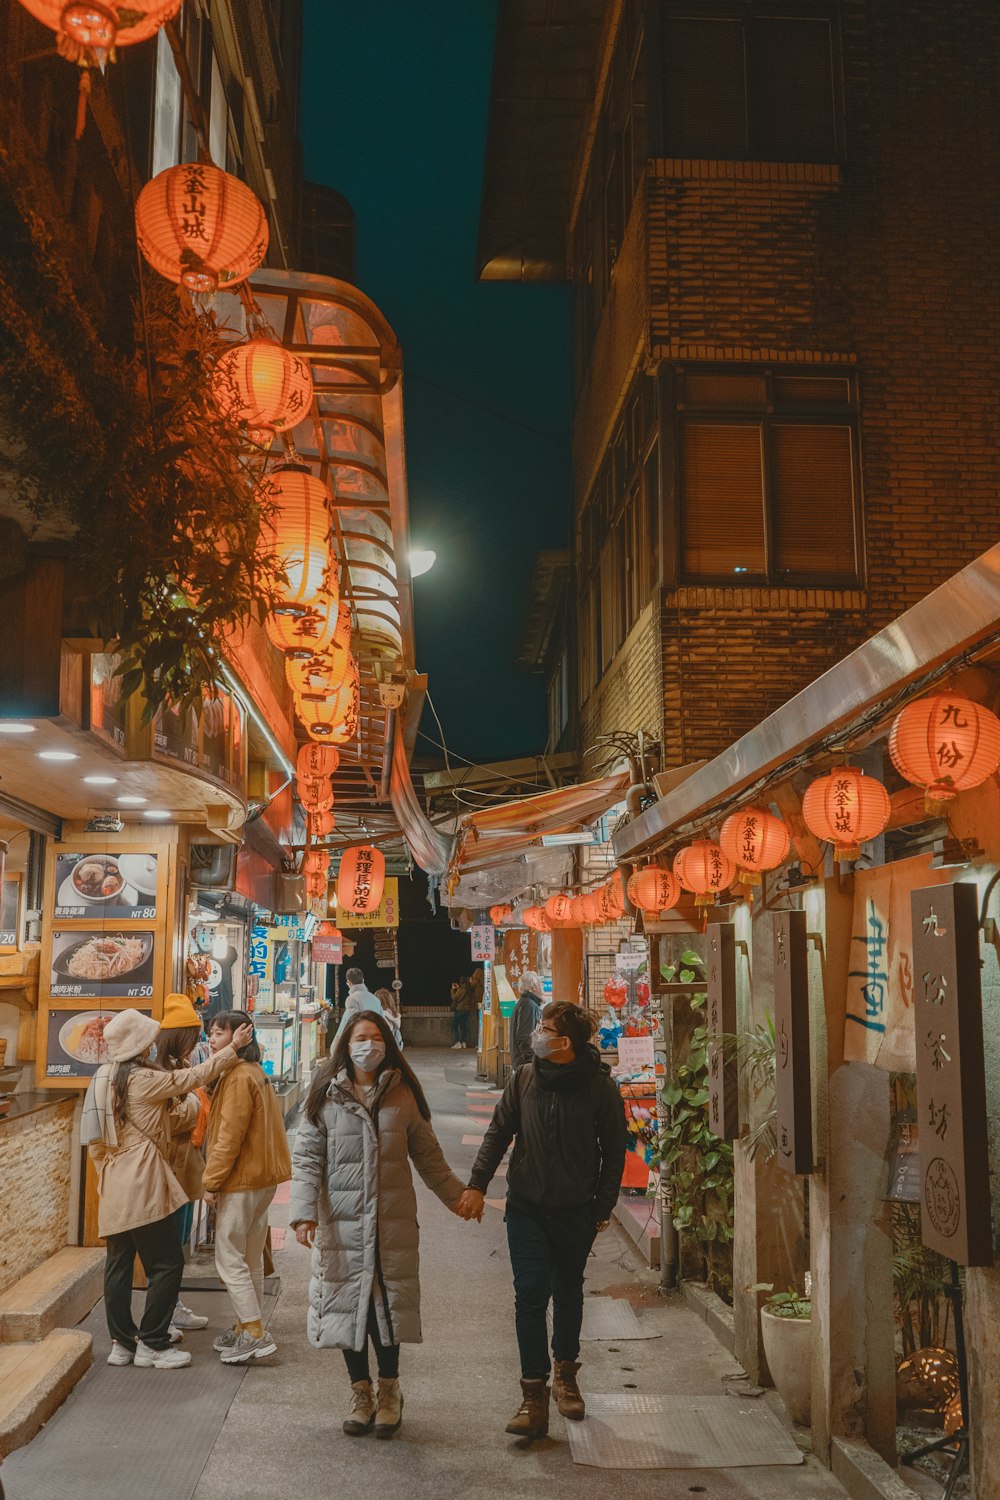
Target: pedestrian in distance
{"points": [[463, 1002], [176, 1045], [126, 1130], [365, 1121], [359, 998], [389, 1001], [524, 1021], [246, 1158], [565, 1117]]}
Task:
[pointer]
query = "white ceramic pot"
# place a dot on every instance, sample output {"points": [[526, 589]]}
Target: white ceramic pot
{"points": [[788, 1346]]}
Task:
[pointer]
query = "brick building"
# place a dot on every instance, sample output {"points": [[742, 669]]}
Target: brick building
{"points": [[786, 323]]}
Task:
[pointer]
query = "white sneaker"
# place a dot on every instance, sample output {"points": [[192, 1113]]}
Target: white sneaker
{"points": [[120, 1354], [160, 1359], [175, 1334], [184, 1317], [247, 1348], [225, 1340], [456, 1046]]}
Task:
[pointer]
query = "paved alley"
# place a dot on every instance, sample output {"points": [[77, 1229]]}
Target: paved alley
{"points": [[213, 1433]]}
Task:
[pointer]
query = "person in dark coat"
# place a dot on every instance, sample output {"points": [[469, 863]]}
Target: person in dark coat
{"points": [[524, 1021], [565, 1116]]}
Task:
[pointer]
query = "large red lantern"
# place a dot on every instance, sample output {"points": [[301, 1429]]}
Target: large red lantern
{"points": [[317, 760], [333, 720], [755, 840], [262, 384], [295, 527], [846, 808], [316, 862], [536, 917], [199, 226], [590, 903], [320, 675], [500, 914], [612, 898], [576, 911], [320, 824], [314, 792], [95, 26], [306, 635], [653, 889], [704, 869], [316, 885], [945, 744], [558, 909], [361, 879]]}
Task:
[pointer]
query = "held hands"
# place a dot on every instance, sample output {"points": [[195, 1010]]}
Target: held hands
{"points": [[305, 1232], [242, 1036], [470, 1205]]}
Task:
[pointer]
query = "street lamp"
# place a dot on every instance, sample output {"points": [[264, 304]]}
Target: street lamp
{"points": [[422, 559]]}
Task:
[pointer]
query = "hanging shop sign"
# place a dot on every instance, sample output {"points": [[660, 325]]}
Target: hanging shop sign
{"points": [[260, 966], [116, 886], [793, 1088], [951, 1076], [328, 950], [386, 914], [482, 943], [723, 1090]]}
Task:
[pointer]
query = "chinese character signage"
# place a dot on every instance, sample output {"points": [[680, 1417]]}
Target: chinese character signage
{"points": [[328, 950], [720, 1017], [386, 914], [951, 1076], [482, 943], [793, 1090], [260, 966]]}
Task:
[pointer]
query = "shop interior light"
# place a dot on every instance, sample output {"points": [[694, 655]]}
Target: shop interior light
{"points": [[160, 814], [10, 727], [101, 780], [131, 801], [57, 755]]}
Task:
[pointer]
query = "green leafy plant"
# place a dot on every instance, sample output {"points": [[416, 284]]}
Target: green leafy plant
{"points": [[790, 1304]]}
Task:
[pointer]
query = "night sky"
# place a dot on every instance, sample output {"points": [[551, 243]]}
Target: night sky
{"points": [[394, 114]]}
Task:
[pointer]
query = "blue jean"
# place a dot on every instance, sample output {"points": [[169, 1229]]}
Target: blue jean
{"points": [[548, 1255]]}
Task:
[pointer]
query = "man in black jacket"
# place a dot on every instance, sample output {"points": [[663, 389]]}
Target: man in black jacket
{"points": [[565, 1116]]}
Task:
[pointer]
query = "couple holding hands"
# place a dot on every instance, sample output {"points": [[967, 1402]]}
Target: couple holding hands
{"points": [[365, 1120]]}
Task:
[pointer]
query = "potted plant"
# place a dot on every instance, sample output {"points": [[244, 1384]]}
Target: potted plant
{"points": [[785, 1321]]}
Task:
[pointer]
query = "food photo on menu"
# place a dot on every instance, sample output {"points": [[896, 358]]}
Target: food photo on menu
{"points": [[102, 965], [113, 887], [76, 1045]]}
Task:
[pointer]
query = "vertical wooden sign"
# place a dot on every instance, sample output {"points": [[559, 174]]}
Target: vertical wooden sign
{"points": [[723, 1088], [951, 1078], [792, 1077]]}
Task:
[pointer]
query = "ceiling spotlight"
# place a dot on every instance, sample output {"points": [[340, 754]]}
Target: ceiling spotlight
{"points": [[131, 801], [58, 755], [422, 559], [158, 813], [101, 780], [11, 727]]}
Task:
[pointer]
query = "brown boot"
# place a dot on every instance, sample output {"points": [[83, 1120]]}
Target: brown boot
{"points": [[389, 1412], [532, 1417], [361, 1416], [566, 1390]]}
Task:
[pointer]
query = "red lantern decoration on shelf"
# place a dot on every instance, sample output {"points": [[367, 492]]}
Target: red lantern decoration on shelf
{"points": [[314, 792], [704, 869], [612, 905], [95, 26], [295, 527], [755, 840], [361, 879], [846, 808], [200, 227], [320, 824], [263, 385], [590, 903], [653, 889], [317, 760], [945, 744], [558, 909], [316, 862], [500, 914]]}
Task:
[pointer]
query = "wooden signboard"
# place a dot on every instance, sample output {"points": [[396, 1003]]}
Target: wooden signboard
{"points": [[793, 1088], [951, 1079], [723, 1090]]}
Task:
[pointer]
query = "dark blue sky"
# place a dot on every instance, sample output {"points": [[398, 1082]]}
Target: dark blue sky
{"points": [[394, 112]]}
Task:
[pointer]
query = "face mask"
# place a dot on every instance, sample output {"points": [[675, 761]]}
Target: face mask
{"points": [[367, 1055], [543, 1045]]}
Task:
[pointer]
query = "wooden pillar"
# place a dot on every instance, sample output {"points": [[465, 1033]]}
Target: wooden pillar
{"points": [[567, 965]]}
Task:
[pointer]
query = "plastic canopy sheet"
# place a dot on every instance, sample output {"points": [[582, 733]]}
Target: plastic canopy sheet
{"points": [[679, 1432]]}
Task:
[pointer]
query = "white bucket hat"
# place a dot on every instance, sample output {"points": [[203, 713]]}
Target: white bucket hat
{"points": [[129, 1034]]}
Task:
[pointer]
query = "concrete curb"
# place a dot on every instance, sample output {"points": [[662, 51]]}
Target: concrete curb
{"points": [[863, 1473], [73, 1284], [712, 1311]]}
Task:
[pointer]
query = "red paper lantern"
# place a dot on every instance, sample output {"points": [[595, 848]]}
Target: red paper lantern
{"points": [[328, 930], [536, 917], [846, 808], [945, 744], [319, 676], [612, 906], [262, 384], [576, 911], [333, 720], [306, 635], [653, 889], [320, 824], [317, 760], [755, 840], [316, 885], [500, 914], [361, 879], [558, 909], [703, 868], [97, 25], [591, 904], [295, 527], [314, 792], [199, 226], [316, 862]]}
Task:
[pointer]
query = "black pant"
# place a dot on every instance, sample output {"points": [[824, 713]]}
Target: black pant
{"points": [[548, 1255], [159, 1250], [460, 1025], [386, 1355]]}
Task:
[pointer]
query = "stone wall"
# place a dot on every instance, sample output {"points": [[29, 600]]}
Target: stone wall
{"points": [[35, 1184]]}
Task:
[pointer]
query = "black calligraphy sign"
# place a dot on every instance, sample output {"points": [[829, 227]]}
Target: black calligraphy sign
{"points": [[793, 1084], [951, 1075], [720, 1020]]}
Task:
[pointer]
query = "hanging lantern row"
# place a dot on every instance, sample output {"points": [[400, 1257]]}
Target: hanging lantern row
{"points": [[200, 227], [88, 30], [361, 879], [320, 824], [315, 793]]}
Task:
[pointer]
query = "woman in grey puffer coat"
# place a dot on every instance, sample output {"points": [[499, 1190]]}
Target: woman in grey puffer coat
{"points": [[352, 1199]]}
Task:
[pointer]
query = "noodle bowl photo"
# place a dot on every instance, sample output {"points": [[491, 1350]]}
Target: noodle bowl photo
{"points": [[99, 963]]}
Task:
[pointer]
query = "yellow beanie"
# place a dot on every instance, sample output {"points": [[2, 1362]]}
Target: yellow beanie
{"points": [[178, 1012]]}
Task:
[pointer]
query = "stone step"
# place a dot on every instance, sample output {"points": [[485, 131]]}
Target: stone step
{"points": [[35, 1380], [57, 1294]]}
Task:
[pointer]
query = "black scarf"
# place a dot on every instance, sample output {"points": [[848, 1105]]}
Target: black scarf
{"points": [[565, 1077]]}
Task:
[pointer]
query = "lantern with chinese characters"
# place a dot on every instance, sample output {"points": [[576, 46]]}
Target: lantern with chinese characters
{"points": [[199, 226], [576, 911], [653, 889], [846, 808], [703, 868], [755, 840], [90, 28], [612, 904], [263, 385], [333, 720], [558, 909], [319, 676], [295, 528], [316, 886], [946, 745], [320, 824], [315, 793], [317, 760], [361, 879], [536, 918], [591, 904], [316, 862], [500, 914]]}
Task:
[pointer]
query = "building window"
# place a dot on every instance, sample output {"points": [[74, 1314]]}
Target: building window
{"points": [[767, 478], [744, 87]]}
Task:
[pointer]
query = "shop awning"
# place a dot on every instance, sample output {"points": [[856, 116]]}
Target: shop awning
{"points": [[429, 848], [499, 835]]}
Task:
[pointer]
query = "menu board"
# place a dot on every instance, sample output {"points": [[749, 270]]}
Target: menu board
{"points": [[74, 1046], [107, 887], [108, 709], [94, 964], [209, 740], [10, 900]]}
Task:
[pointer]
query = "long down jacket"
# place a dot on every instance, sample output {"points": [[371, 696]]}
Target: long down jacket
{"points": [[351, 1177]]}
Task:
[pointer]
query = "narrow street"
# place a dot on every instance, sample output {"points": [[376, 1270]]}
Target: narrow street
{"points": [[212, 1433]]}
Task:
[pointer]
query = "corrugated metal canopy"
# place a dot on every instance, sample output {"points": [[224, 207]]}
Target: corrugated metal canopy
{"points": [[499, 834]]}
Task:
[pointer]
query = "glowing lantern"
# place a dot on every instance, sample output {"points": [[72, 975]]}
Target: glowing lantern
{"points": [[946, 745], [295, 526], [536, 918], [361, 879], [320, 675], [590, 903], [316, 862], [262, 384], [703, 868], [329, 930], [305, 635], [846, 808], [653, 890], [201, 227], [576, 911], [612, 906], [88, 26], [333, 720], [558, 909], [320, 824], [500, 914], [754, 840], [317, 760], [315, 793], [316, 885]]}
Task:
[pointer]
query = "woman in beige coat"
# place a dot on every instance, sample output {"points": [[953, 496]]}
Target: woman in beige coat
{"points": [[126, 1127]]}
